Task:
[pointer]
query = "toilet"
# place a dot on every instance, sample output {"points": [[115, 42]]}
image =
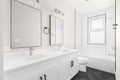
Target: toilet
{"points": [[82, 61]]}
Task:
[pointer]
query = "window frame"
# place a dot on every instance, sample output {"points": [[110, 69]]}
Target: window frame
{"points": [[89, 29]]}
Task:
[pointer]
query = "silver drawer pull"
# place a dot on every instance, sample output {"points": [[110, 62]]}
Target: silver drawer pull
{"points": [[40, 78], [45, 77]]}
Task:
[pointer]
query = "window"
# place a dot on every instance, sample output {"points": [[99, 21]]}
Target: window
{"points": [[97, 29]]}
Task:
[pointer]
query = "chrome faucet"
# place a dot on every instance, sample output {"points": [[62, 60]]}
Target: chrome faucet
{"points": [[31, 49], [59, 47]]}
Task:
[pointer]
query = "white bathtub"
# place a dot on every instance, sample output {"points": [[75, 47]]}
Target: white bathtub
{"points": [[104, 64]]}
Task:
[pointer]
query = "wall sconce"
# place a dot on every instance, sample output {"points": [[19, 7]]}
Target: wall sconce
{"points": [[59, 12]]}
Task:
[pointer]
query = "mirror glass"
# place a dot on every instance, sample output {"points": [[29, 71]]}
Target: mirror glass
{"points": [[25, 26], [96, 29], [56, 31]]}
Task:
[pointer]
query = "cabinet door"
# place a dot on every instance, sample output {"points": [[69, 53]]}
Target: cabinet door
{"points": [[64, 70], [73, 67], [39, 77], [51, 74]]}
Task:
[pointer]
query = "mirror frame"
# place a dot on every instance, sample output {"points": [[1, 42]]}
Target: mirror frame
{"points": [[11, 30], [55, 32]]}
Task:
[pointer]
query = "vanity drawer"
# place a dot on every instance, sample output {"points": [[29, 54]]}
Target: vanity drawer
{"points": [[68, 57]]}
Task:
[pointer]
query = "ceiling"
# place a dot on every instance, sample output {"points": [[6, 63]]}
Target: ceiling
{"points": [[85, 6]]}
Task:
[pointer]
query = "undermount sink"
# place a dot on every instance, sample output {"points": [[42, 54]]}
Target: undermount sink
{"points": [[65, 50], [34, 57]]}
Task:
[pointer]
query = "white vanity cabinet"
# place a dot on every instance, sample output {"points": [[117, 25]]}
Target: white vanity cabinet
{"points": [[60, 67], [33, 3]]}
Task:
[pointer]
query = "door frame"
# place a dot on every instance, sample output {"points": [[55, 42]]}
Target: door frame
{"points": [[1, 41], [117, 16]]}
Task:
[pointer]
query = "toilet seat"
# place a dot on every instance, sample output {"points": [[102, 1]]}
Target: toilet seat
{"points": [[82, 60]]}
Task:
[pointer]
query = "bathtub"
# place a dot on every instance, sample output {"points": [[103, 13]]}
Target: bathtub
{"points": [[104, 64]]}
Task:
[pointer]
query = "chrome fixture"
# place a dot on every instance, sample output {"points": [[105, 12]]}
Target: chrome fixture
{"points": [[31, 49], [59, 47], [57, 11]]}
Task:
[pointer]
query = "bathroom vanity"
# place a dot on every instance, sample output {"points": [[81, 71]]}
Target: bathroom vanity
{"points": [[59, 65], [26, 32]]}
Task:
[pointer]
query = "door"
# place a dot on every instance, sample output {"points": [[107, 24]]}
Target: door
{"points": [[64, 70], [38, 77], [1, 41], [118, 39], [73, 67], [1, 48], [51, 74]]}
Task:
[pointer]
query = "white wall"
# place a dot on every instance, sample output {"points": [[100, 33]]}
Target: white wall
{"points": [[48, 7], [1, 42], [118, 40], [101, 51], [79, 32]]}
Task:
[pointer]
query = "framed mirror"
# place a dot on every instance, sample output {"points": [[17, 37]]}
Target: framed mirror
{"points": [[97, 29], [26, 28], [56, 31]]}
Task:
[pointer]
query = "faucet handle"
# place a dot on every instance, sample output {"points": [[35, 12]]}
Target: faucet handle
{"points": [[31, 48]]}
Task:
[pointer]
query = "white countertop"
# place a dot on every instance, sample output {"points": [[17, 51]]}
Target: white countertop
{"points": [[17, 63]]}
